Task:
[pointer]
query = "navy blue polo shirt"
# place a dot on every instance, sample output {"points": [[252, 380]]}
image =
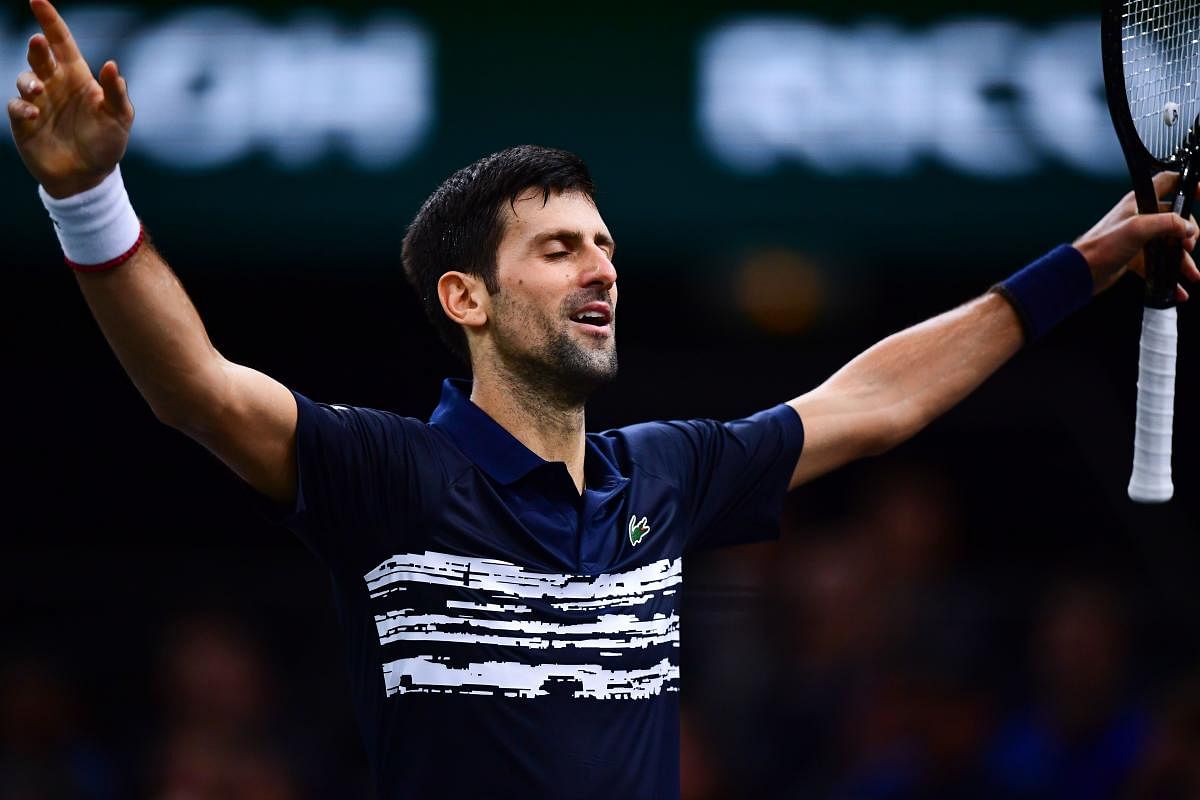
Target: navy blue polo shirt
{"points": [[507, 636]]}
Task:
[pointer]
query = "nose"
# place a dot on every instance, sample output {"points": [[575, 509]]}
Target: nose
{"points": [[599, 270]]}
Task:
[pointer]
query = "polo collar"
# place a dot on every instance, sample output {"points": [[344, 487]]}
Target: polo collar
{"points": [[496, 451], [481, 438]]}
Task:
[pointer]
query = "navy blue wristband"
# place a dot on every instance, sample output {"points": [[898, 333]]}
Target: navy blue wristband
{"points": [[1049, 290]]}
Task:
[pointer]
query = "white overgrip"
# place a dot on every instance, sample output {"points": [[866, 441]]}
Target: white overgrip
{"points": [[1151, 479]]}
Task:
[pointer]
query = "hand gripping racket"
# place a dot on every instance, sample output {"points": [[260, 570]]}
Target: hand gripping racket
{"points": [[1151, 55]]}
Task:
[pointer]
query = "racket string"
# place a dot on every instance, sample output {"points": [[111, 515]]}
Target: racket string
{"points": [[1160, 39]]}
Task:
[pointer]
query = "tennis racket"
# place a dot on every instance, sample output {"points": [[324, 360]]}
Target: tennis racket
{"points": [[1151, 55]]}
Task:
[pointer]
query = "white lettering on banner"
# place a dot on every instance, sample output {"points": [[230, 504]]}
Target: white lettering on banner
{"points": [[213, 84], [985, 96]]}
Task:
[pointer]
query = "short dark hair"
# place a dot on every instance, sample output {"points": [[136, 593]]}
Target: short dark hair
{"points": [[459, 227]]}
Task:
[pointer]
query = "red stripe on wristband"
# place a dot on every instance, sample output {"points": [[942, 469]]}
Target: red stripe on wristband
{"points": [[111, 263]]}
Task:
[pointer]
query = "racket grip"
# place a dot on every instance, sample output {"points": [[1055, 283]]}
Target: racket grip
{"points": [[1151, 479]]}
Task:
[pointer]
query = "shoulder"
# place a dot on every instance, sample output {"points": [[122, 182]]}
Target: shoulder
{"points": [[351, 418], [369, 431], [666, 446]]}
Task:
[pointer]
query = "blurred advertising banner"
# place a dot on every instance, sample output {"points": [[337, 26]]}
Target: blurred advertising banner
{"points": [[309, 136]]}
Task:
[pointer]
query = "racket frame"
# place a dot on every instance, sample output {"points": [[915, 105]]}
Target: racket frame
{"points": [[1162, 259]]}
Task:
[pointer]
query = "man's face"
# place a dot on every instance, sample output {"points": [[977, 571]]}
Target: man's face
{"points": [[553, 321]]}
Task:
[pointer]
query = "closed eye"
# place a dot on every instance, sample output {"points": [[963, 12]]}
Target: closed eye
{"points": [[557, 254]]}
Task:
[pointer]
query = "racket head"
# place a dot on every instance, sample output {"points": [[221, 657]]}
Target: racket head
{"points": [[1151, 60]]}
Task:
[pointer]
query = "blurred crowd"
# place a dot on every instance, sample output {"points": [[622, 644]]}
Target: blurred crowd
{"points": [[866, 655], [882, 662], [215, 724]]}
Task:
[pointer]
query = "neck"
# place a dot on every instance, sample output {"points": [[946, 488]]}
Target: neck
{"points": [[548, 425]]}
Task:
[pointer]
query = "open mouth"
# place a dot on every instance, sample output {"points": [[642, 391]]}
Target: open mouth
{"points": [[595, 316]]}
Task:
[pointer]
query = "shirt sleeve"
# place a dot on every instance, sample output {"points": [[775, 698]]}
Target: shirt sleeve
{"points": [[364, 478], [732, 476]]}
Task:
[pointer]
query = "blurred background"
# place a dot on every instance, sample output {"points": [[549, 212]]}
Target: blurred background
{"points": [[980, 613]]}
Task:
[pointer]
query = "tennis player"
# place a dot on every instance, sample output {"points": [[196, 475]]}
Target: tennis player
{"points": [[508, 584]]}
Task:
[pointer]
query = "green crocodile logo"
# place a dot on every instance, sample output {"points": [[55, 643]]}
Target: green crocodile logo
{"points": [[637, 530]]}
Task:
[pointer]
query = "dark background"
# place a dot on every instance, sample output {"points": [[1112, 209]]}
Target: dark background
{"points": [[122, 538]]}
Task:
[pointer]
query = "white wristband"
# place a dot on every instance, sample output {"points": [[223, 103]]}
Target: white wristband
{"points": [[95, 227]]}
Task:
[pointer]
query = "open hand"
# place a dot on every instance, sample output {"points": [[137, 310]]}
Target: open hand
{"points": [[70, 128], [1115, 243]]}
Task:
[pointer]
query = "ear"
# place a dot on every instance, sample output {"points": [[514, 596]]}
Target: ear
{"points": [[464, 298]]}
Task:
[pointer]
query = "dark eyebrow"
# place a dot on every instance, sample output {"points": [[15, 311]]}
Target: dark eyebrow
{"points": [[572, 238]]}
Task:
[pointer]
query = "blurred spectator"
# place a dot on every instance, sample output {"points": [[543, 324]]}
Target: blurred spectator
{"points": [[1083, 734], [220, 736], [918, 736], [214, 681], [44, 752], [828, 662], [920, 720], [199, 767], [1171, 768], [870, 641], [700, 774]]}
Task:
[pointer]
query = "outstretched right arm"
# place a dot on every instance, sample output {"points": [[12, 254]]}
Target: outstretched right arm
{"points": [[246, 418], [71, 131]]}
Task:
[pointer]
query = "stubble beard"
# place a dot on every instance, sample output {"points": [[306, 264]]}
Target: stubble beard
{"points": [[557, 369]]}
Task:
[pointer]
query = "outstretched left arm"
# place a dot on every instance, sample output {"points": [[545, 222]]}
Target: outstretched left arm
{"points": [[904, 382]]}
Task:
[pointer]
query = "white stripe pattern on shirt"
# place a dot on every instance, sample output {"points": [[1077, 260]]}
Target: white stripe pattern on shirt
{"points": [[524, 628]]}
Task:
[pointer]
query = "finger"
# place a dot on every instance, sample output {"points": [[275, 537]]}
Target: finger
{"points": [[30, 87], [1181, 295], [62, 44], [1189, 243], [40, 57], [1165, 207], [1128, 204], [1165, 181], [116, 91], [1189, 270], [1150, 226], [21, 113], [1137, 264]]}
